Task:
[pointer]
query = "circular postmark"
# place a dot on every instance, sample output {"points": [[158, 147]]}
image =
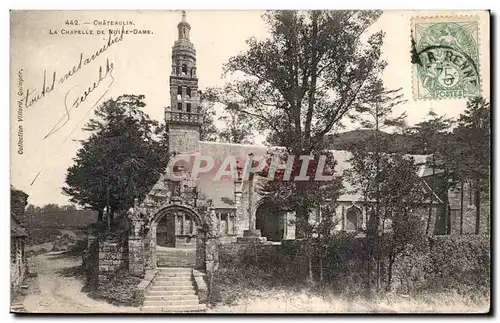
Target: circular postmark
{"points": [[448, 61]]}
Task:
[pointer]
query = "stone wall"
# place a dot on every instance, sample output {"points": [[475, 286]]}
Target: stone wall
{"points": [[112, 256], [183, 138], [90, 261], [136, 260]]}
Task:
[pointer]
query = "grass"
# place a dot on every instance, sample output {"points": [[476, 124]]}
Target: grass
{"points": [[309, 300], [259, 291]]}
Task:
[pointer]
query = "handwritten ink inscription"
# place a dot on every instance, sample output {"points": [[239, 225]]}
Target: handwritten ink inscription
{"points": [[30, 98]]}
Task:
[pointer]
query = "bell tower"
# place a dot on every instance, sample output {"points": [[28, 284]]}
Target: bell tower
{"points": [[182, 118]]}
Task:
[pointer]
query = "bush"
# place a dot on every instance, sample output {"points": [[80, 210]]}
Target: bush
{"points": [[40, 236], [458, 264], [446, 263]]}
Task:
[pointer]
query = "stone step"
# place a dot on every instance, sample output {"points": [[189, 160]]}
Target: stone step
{"points": [[174, 274], [175, 270], [172, 283], [177, 252], [175, 256], [149, 297], [174, 309], [186, 245], [174, 278], [176, 302], [171, 288], [176, 263], [18, 307], [173, 263], [167, 264], [166, 292]]}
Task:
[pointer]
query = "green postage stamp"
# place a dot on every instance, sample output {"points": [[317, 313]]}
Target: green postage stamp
{"points": [[445, 57]]}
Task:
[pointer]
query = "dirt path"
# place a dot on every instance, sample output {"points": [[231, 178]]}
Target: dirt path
{"points": [[62, 294]]}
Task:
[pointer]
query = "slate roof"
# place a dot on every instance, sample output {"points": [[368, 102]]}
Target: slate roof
{"points": [[222, 192]]}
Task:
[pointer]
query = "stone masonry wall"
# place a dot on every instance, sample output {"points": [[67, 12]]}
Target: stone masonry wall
{"points": [[183, 138], [112, 256]]}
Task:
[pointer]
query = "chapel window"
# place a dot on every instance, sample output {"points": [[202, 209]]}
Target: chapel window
{"points": [[352, 219]]}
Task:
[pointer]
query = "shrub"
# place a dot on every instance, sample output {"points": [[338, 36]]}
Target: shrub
{"points": [[40, 236], [459, 263], [435, 264]]}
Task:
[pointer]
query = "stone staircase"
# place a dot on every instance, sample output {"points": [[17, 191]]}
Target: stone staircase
{"points": [[171, 291], [17, 307], [175, 257]]}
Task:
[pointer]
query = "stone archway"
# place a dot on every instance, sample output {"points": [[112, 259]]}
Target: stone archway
{"points": [[186, 242]]}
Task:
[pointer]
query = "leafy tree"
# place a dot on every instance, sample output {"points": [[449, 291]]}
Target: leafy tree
{"points": [[321, 195], [299, 83], [367, 173], [401, 194], [473, 149], [208, 130], [433, 139], [49, 208], [121, 160], [33, 209], [237, 128], [18, 202]]}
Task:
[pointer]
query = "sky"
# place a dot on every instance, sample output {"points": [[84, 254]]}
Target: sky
{"points": [[141, 64]]}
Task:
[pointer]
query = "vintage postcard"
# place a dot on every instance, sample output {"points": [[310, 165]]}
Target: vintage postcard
{"points": [[250, 161]]}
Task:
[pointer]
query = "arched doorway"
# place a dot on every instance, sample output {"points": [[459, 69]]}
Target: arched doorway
{"points": [[270, 220], [175, 238]]}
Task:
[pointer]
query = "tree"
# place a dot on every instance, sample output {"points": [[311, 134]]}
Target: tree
{"points": [[322, 195], [431, 135], [208, 130], [18, 202], [393, 192], [473, 149], [401, 193], [237, 128], [311, 72], [121, 160], [367, 173]]}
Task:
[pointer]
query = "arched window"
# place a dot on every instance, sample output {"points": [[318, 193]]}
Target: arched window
{"points": [[179, 93], [179, 106], [188, 107], [188, 92], [184, 69], [352, 217]]}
